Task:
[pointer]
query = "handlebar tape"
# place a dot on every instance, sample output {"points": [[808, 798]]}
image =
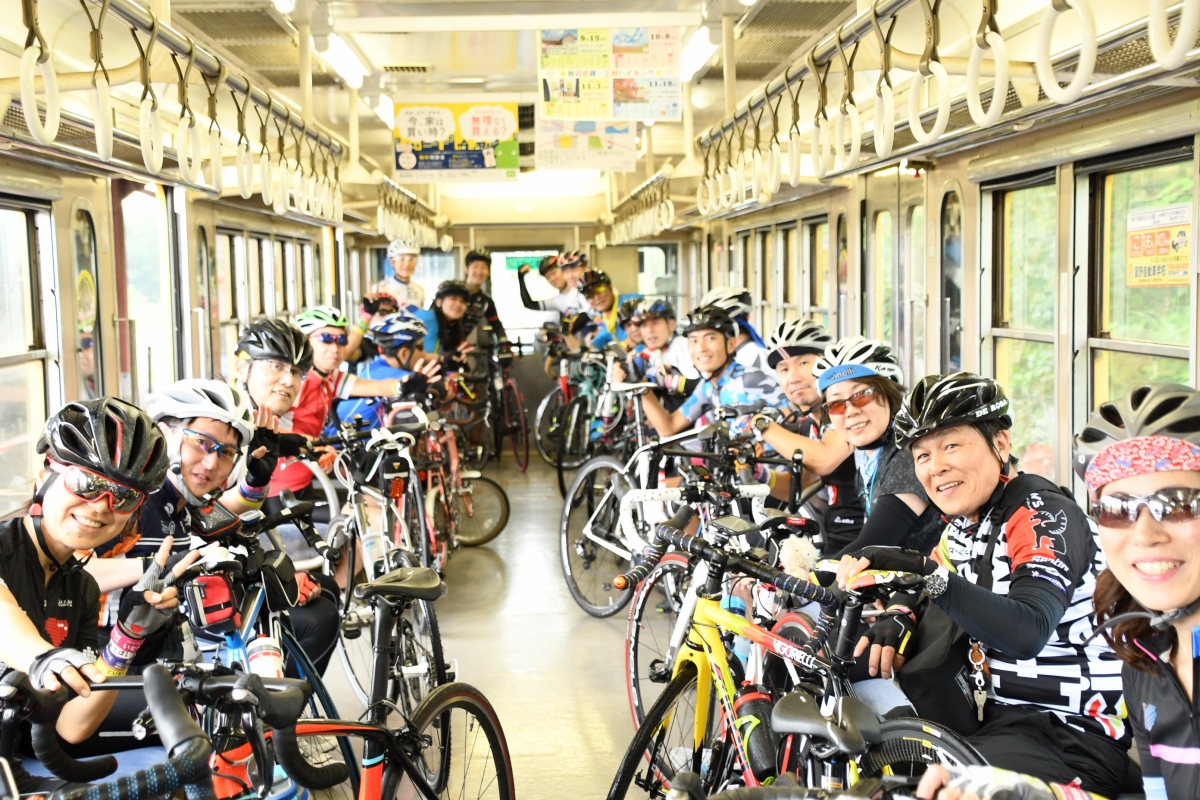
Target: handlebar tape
{"points": [[49, 752], [187, 769], [313, 778], [655, 552], [171, 718]]}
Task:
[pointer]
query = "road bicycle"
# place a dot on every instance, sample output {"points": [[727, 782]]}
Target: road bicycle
{"points": [[584, 419], [829, 738], [490, 402], [549, 410]]}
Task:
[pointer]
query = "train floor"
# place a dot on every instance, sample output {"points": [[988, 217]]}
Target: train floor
{"points": [[553, 673]]}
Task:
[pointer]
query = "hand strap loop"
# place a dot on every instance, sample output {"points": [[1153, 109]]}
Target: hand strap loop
{"points": [[885, 51], [97, 39], [185, 75], [144, 66]]}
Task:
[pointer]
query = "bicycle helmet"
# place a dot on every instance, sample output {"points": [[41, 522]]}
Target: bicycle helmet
{"points": [[656, 309], [733, 300], [627, 312], [454, 288], [399, 247], [276, 340], [111, 438], [398, 330], [593, 280], [199, 397], [796, 337], [1168, 410], [575, 259], [855, 357], [478, 255], [944, 401], [548, 263], [317, 317], [710, 318]]}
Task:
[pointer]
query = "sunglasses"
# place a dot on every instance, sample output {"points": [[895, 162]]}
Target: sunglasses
{"points": [[89, 487], [339, 339], [596, 291], [1166, 505], [280, 367], [207, 445], [860, 399]]}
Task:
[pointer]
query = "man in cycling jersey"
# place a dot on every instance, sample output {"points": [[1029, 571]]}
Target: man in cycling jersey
{"points": [[664, 360], [627, 322], [403, 258], [597, 289], [480, 307], [710, 340], [567, 301], [737, 303], [1015, 569], [400, 339]]}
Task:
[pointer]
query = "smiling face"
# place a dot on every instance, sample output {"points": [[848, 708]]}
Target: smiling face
{"points": [[478, 273], [271, 384], [1157, 562], [602, 300], [571, 276], [709, 350], [959, 467], [859, 426], [554, 276], [453, 307], [71, 524], [202, 472], [794, 374], [656, 333], [404, 265]]}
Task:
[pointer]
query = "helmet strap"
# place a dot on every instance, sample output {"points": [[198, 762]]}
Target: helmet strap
{"points": [[72, 564]]}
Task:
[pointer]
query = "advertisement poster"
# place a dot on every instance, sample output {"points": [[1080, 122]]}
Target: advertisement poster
{"points": [[1159, 246], [622, 73], [586, 144], [456, 142]]}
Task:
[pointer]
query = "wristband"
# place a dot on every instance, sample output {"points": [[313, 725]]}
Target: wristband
{"points": [[253, 495], [363, 325], [119, 652]]}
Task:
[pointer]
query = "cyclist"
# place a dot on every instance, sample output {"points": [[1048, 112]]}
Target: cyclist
{"points": [[665, 360], [627, 322], [399, 285], [567, 301], [103, 457], [480, 307], [710, 336], [736, 302], [793, 349], [860, 380], [400, 338], [597, 289], [1015, 569], [448, 333]]}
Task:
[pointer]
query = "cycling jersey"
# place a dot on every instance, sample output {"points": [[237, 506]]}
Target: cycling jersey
{"points": [[1048, 545], [750, 354], [1167, 736], [844, 511], [737, 385], [883, 472], [405, 292], [371, 409], [307, 416], [480, 307], [563, 303]]}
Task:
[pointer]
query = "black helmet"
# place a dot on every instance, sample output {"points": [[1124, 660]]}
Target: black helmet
{"points": [[627, 312], [276, 340], [593, 280], [710, 318], [1152, 409], [111, 438], [548, 263], [454, 288], [944, 401]]}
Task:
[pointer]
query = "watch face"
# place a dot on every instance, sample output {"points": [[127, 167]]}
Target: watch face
{"points": [[762, 423]]}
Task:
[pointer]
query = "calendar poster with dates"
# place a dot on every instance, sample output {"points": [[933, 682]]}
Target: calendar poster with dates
{"points": [[602, 73]]}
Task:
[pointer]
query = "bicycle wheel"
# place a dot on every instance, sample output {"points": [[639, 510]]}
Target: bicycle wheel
{"points": [[545, 430], [653, 615], [481, 511], [467, 754], [796, 628], [439, 518], [591, 558], [416, 522], [319, 750], [420, 666], [910, 744], [666, 742], [514, 421], [574, 439]]}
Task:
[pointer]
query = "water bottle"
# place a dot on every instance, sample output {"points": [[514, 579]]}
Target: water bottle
{"points": [[265, 657], [373, 553], [752, 717]]}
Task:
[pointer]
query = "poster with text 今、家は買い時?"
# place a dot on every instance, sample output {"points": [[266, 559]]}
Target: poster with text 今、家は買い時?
{"points": [[456, 142], [618, 73], [586, 144], [1158, 246]]}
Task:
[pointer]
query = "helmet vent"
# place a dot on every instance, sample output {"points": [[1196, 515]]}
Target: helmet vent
{"points": [[1109, 413]]}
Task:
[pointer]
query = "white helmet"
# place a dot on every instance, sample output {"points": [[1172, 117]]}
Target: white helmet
{"points": [[855, 357], [198, 397], [796, 337], [733, 300], [399, 247]]}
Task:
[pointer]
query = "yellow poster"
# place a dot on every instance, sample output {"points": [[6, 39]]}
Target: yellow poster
{"points": [[1159, 246]]}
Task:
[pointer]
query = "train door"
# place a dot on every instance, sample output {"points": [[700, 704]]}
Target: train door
{"points": [[816, 289], [761, 280], [790, 271], [148, 288]]}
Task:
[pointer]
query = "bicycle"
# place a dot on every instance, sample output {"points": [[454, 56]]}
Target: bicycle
{"points": [[493, 402], [576, 433], [549, 410], [830, 738]]}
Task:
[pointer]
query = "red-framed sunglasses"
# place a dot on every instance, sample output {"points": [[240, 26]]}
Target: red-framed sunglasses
{"points": [[860, 399], [90, 487]]}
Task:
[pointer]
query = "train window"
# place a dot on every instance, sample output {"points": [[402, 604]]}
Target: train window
{"points": [[952, 283], [914, 263], [1023, 319], [278, 279], [763, 274], [310, 256], [787, 255], [229, 253], [87, 333], [818, 271], [149, 289], [22, 368], [254, 270], [843, 275], [880, 279], [1142, 322], [739, 273]]}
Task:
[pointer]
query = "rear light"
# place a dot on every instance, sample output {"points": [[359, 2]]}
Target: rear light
{"points": [[396, 491]]}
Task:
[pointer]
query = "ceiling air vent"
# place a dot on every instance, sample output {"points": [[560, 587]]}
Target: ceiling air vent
{"points": [[413, 68]]}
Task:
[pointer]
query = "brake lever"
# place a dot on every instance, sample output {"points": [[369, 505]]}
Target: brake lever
{"points": [[258, 746]]}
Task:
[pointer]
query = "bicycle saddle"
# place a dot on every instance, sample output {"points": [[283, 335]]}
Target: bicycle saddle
{"points": [[853, 727], [418, 583]]}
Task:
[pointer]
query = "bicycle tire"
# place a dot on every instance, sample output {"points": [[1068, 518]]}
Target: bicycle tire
{"points": [[574, 445], [648, 633], [416, 522], [438, 515], [910, 743], [514, 421], [545, 427], [588, 567], [650, 750], [796, 628], [434, 717], [482, 511]]}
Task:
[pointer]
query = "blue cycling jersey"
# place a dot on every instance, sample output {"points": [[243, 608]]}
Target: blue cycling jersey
{"points": [[372, 409]]}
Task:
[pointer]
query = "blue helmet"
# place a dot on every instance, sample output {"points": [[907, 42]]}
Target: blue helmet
{"points": [[398, 330]]}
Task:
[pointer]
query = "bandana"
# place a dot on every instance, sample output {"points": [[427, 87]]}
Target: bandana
{"points": [[1138, 457]]}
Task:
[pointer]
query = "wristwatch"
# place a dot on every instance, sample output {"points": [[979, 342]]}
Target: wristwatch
{"points": [[936, 583], [760, 423]]}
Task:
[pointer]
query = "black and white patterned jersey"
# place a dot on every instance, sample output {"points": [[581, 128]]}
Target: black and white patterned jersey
{"points": [[1047, 538]]}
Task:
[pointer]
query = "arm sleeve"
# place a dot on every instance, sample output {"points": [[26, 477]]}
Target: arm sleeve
{"points": [[526, 299], [890, 521], [1018, 624], [493, 319]]}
